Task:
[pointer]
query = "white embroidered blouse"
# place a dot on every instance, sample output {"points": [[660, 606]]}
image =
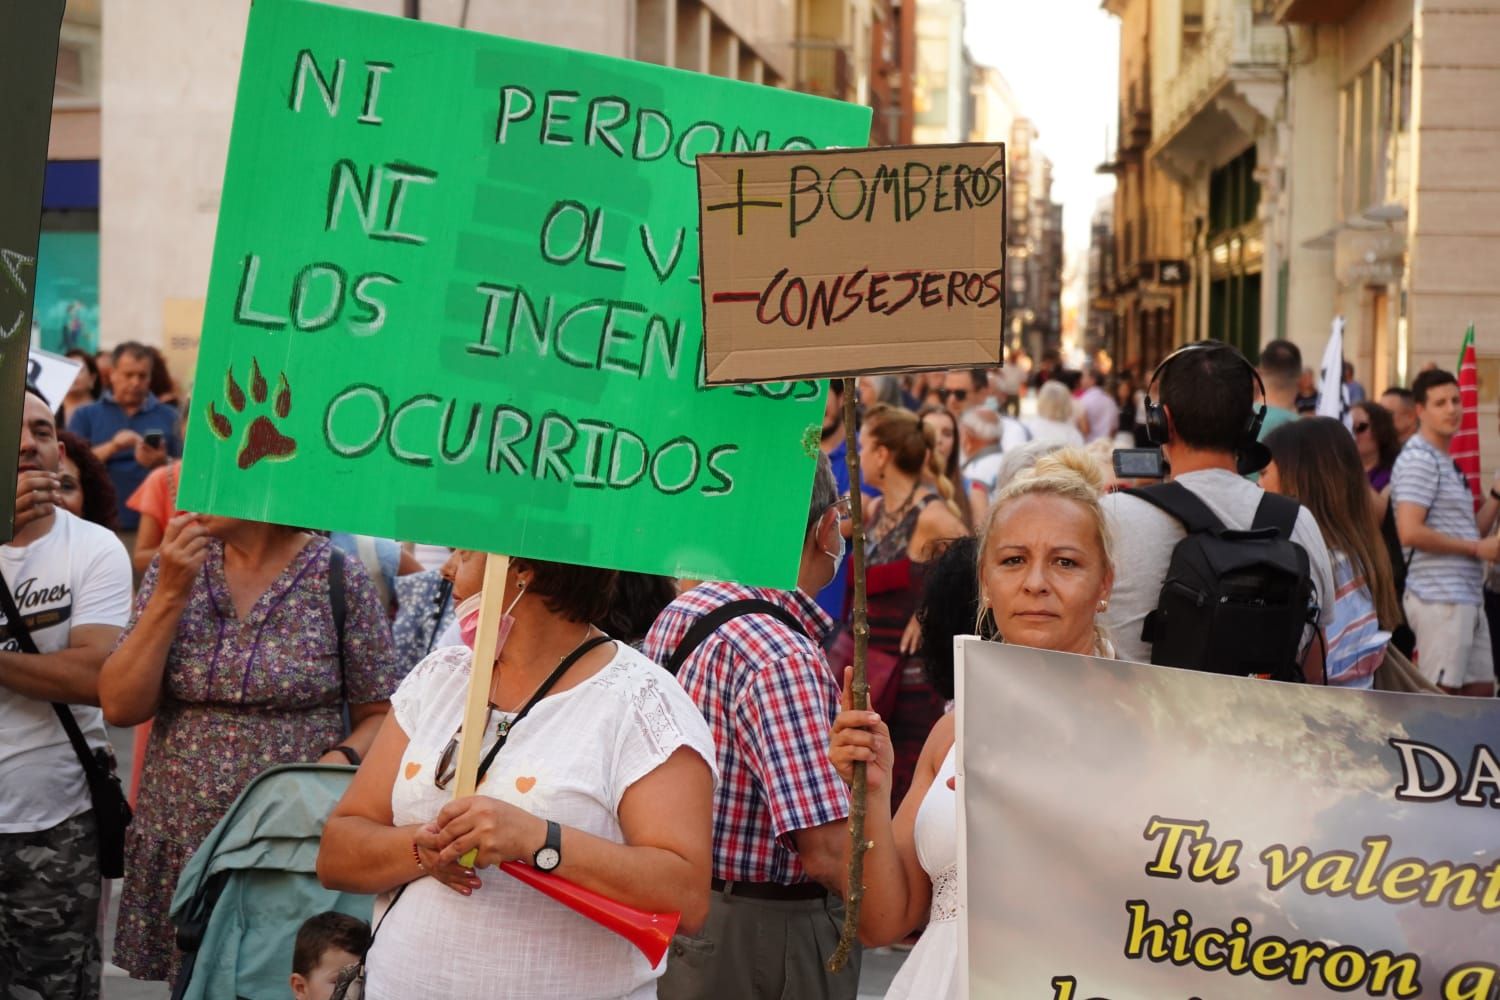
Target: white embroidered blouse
{"points": [[570, 760]]}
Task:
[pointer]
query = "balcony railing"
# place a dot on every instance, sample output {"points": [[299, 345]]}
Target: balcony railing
{"points": [[1242, 38], [824, 68]]}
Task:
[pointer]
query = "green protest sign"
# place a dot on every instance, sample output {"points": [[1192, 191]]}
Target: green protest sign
{"points": [[28, 67], [454, 298]]}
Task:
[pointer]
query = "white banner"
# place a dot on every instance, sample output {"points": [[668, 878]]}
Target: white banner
{"points": [[1131, 832]]}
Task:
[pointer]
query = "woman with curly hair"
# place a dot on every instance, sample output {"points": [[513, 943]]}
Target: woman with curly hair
{"points": [[85, 489]]}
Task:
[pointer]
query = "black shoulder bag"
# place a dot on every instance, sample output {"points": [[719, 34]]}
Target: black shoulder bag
{"points": [[111, 810]]}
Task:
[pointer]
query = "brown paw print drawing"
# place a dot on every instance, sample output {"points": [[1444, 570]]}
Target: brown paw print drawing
{"points": [[262, 439]]}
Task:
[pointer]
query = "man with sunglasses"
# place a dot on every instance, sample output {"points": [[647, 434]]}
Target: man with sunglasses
{"points": [[964, 389], [752, 660]]}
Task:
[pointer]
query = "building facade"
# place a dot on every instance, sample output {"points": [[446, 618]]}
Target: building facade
{"points": [[1101, 328], [1034, 254], [1399, 230], [940, 81], [1034, 251], [66, 312], [1148, 285], [1333, 157], [1218, 80], [893, 53]]}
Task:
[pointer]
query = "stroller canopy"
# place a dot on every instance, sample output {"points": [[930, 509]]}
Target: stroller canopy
{"points": [[245, 892]]}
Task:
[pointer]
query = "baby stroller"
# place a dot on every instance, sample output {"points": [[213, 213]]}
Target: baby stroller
{"points": [[245, 892]]}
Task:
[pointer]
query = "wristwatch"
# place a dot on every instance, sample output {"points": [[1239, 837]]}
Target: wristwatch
{"points": [[549, 855]]}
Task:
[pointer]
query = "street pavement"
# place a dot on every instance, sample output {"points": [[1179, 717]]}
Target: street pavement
{"points": [[880, 964]]}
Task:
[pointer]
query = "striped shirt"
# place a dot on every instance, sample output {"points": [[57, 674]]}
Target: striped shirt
{"points": [[1428, 478], [1356, 642], [769, 698]]}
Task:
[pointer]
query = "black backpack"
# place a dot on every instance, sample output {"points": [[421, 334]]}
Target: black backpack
{"points": [[1233, 602]]}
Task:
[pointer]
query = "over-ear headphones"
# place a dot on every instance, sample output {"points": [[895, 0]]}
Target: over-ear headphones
{"points": [[1157, 431]]}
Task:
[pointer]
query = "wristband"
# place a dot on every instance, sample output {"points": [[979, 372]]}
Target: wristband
{"points": [[417, 856], [350, 754]]}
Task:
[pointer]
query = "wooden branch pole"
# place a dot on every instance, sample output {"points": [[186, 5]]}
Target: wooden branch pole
{"points": [[859, 689], [476, 707]]}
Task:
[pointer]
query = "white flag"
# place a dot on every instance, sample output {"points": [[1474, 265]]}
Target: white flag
{"points": [[1333, 396]]}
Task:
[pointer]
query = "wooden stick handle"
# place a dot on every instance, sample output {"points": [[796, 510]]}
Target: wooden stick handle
{"points": [[859, 689], [476, 707]]}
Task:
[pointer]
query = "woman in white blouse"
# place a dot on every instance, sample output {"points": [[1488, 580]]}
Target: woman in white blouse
{"points": [[606, 781]]}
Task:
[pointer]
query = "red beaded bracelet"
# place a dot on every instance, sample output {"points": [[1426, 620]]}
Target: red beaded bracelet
{"points": [[417, 856]]}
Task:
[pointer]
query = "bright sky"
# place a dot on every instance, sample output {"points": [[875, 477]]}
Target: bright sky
{"points": [[1061, 58]]}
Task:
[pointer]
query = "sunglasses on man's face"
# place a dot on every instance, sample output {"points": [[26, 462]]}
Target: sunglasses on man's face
{"points": [[958, 394]]}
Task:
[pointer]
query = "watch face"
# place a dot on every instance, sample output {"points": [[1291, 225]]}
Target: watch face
{"points": [[547, 859]]}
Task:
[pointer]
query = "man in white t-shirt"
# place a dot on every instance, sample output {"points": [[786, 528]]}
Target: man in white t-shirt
{"points": [[70, 580], [1206, 393]]}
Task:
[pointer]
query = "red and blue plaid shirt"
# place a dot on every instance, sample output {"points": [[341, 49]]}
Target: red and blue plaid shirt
{"points": [[770, 699]]}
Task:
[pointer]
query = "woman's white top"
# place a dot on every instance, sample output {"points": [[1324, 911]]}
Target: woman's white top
{"points": [[570, 760], [931, 970], [1048, 431]]}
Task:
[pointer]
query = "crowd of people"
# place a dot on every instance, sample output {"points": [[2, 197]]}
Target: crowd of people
{"points": [[721, 735]]}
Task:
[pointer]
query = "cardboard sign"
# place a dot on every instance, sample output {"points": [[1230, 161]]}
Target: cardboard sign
{"points": [[181, 333], [1134, 831], [454, 299], [845, 262], [28, 69]]}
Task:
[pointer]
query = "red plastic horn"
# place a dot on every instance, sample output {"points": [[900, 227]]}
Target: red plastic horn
{"points": [[650, 932]]}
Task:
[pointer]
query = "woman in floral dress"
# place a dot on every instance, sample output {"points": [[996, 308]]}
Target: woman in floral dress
{"points": [[233, 649]]}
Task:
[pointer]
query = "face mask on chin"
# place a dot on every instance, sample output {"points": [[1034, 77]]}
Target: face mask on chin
{"points": [[467, 614]]}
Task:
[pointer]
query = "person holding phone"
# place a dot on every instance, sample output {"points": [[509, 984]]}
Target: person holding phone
{"points": [[130, 430], [156, 502]]}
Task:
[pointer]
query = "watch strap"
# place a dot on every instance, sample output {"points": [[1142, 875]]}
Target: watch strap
{"points": [[553, 843], [350, 754]]}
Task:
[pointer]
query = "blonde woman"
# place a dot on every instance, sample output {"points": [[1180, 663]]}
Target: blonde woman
{"points": [[1044, 574], [1054, 420]]}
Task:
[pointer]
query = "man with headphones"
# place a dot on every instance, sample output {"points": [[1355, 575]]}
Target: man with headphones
{"points": [[1206, 419]]}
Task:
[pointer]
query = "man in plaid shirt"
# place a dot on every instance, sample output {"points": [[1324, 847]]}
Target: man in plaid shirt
{"points": [[780, 839]]}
